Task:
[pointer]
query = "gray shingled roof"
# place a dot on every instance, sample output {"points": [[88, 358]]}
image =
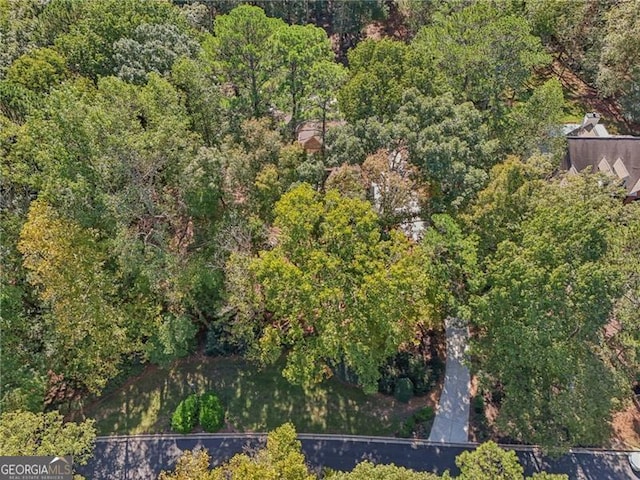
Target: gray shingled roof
{"points": [[586, 152]]}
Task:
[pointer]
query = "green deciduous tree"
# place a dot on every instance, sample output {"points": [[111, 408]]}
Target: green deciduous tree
{"points": [[548, 476], [499, 209], [489, 462], [281, 458], [38, 70], [330, 279], [624, 345], [21, 343], [16, 102], [368, 471], [484, 55], [86, 330], [119, 163], [151, 48], [255, 154], [450, 144], [26, 433], [203, 101], [376, 80], [619, 72], [18, 22], [534, 124], [451, 260], [86, 32], [192, 465], [549, 293]]}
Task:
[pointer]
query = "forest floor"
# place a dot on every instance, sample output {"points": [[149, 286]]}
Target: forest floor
{"points": [[626, 428], [256, 400], [584, 98]]}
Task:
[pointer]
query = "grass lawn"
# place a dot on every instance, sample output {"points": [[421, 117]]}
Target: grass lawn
{"points": [[256, 400]]}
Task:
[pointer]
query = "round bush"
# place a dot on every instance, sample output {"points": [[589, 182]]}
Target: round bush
{"points": [[420, 375], [407, 428], [424, 414], [404, 390], [185, 418], [211, 412]]}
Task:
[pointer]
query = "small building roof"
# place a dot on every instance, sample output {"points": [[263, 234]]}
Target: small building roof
{"points": [[588, 128], [305, 135]]}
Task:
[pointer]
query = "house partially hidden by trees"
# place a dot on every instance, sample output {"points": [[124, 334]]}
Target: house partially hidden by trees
{"points": [[591, 146], [310, 137], [311, 134]]}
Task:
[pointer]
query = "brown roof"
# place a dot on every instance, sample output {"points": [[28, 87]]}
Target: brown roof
{"points": [[586, 152], [306, 134]]}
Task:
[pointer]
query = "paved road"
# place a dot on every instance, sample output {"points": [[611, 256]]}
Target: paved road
{"points": [[143, 457], [451, 424]]}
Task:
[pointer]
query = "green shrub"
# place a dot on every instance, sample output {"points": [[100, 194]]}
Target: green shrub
{"points": [[215, 345], [412, 365], [417, 424], [389, 374], [211, 412], [185, 417], [424, 414], [478, 404], [420, 374], [220, 340], [404, 390], [407, 428]]}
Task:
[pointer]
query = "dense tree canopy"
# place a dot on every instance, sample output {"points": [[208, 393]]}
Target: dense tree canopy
{"points": [[448, 142], [26, 433], [329, 279], [297, 50], [544, 351], [619, 72], [282, 457], [154, 194], [87, 332], [376, 80], [489, 462], [481, 54], [367, 470]]}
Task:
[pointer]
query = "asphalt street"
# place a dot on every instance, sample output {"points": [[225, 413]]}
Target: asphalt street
{"points": [[144, 456]]}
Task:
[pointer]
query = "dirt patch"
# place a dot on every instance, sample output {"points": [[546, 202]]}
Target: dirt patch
{"points": [[482, 415], [394, 26], [579, 90], [626, 428]]}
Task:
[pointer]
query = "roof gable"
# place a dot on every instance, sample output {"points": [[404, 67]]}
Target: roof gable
{"points": [[616, 155]]}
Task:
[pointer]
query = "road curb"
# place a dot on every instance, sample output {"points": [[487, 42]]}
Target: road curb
{"points": [[345, 438]]}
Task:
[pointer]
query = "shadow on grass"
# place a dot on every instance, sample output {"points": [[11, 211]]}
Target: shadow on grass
{"points": [[255, 400]]}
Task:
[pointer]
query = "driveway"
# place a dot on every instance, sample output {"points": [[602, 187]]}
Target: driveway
{"points": [[451, 424]]}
